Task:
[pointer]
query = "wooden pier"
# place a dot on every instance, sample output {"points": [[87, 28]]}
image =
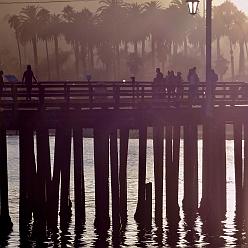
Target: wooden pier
{"points": [[112, 109]]}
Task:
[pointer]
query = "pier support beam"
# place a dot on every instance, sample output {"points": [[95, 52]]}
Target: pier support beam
{"points": [[5, 221], [245, 187], [158, 149], [190, 201], [43, 180], [213, 203], [139, 214], [124, 137], [61, 169], [28, 181], [172, 171], [101, 158], [115, 188], [237, 133], [79, 186], [65, 202]]}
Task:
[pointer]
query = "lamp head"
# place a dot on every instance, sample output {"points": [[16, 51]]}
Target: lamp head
{"points": [[193, 6]]}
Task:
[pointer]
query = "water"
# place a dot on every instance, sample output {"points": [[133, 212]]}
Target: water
{"points": [[229, 235]]}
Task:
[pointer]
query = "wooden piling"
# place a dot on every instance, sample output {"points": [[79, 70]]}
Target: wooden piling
{"points": [[245, 184], [43, 179], [115, 181], [190, 201], [79, 186], [65, 202], [221, 131], [124, 137], [238, 163], [172, 171], [158, 148], [27, 175], [60, 160], [139, 214], [148, 204], [101, 159], [5, 221], [213, 203]]}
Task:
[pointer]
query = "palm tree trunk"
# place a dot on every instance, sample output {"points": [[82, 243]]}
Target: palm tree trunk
{"points": [[232, 61], [153, 52], [185, 44], [48, 61], [56, 47], [91, 54], [174, 48], [143, 47], [117, 49], [76, 52], [218, 47], [241, 58], [19, 54], [136, 48], [34, 43]]}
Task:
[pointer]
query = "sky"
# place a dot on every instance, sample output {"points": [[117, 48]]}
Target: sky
{"points": [[93, 4]]}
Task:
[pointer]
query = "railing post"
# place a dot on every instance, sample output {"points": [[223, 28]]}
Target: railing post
{"points": [[41, 96], [90, 95], [14, 96], [143, 93], [67, 94], [133, 90], [117, 96]]}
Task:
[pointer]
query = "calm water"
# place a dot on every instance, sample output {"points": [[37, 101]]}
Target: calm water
{"points": [[183, 236]]}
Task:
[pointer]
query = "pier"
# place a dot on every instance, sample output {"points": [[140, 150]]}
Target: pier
{"points": [[112, 109]]}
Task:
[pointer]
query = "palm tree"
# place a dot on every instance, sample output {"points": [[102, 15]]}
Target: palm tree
{"points": [[230, 19], [45, 34], [152, 18], [136, 31], [197, 35], [56, 29], [30, 24], [112, 18], [14, 22]]}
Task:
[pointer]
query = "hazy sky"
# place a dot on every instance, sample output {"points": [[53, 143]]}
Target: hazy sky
{"points": [[242, 4]]}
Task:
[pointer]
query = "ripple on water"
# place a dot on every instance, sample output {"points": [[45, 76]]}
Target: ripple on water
{"points": [[231, 232]]}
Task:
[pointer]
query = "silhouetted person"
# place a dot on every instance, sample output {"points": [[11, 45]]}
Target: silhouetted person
{"points": [[159, 74], [171, 81], [158, 80], [28, 78], [213, 80], [179, 86], [193, 82]]}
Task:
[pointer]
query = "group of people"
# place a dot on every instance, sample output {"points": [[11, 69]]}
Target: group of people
{"points": [[171, 84], [27, 79]]}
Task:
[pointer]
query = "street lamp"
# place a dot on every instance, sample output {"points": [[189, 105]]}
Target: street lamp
{"points": [[193, 6]]}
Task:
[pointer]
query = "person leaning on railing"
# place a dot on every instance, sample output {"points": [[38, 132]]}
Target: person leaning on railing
{"points": [[28, 77], [194, 81], [158, 81]]}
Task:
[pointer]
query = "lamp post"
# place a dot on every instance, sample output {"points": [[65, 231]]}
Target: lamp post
{"points": [[193, 9]]}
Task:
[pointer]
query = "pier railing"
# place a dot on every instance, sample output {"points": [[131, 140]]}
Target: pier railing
{"points": [[121, 95]]}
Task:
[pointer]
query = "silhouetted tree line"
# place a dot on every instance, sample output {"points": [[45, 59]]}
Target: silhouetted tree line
{"points": [[121, 39]]}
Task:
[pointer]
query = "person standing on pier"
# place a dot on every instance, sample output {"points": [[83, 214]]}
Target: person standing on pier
{"points": [[193, 82], [28, 78], [158, 80]]}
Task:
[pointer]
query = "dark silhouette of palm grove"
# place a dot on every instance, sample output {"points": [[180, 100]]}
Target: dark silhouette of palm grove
{"points": [[121, 40]]}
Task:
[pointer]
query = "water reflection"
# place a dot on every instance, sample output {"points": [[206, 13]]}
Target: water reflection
{"points": [[190, 231]]}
